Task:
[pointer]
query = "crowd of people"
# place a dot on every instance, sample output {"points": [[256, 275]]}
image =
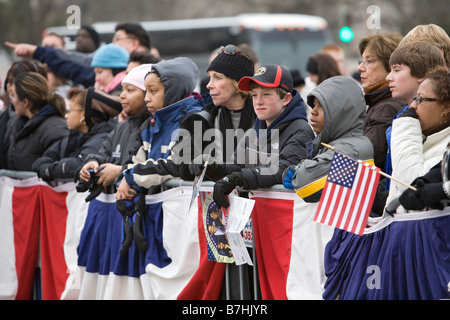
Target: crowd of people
{"points": [[119, 119]]}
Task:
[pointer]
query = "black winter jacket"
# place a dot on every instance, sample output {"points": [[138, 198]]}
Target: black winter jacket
{"points": [[30, 138], [122, 143], [66, 156]]}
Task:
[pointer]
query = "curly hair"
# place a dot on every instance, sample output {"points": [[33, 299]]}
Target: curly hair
{"points": [[440, 78]]}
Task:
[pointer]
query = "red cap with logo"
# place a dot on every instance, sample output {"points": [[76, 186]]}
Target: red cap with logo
{"points": [[269, 76]]}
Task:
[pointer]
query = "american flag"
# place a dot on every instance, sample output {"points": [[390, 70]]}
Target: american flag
{"points": [[348, 194]]}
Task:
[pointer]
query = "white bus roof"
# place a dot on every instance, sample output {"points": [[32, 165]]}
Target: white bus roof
{"points": [[259, 21]]}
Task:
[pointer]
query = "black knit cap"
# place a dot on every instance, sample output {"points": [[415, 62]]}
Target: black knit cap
{"points": [[233, 63]]}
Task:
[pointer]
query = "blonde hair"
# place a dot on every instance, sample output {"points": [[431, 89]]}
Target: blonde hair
{"points": [[244, 94], [432, 34]]}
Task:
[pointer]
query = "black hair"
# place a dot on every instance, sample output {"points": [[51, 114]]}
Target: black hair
{"points": [[136, 30], [143, 57]]}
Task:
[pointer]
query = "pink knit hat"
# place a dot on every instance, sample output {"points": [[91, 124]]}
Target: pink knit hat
{"points": [[137, 75]]}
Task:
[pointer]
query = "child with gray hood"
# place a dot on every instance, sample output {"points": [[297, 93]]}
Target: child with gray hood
{"points": [[337, 117]]}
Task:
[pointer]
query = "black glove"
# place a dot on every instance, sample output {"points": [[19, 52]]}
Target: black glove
{"points": [[138, 228], [95, 190], [213, 170], [410, 112], [40, 166], [224, 186], [39, 162], [44, 173], [133, 229], [432, 194], [196, 165], [410, 199], [91, 185], [125, 207]]}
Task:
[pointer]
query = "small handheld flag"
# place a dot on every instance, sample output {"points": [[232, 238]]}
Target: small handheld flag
{"points": [[348, 194]]}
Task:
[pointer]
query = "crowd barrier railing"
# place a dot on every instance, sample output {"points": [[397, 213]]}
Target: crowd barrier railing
{"points": [[67, 260], [293, 256]]}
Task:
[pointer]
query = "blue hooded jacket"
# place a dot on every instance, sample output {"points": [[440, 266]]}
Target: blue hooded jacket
{"points": [[159, 133]]}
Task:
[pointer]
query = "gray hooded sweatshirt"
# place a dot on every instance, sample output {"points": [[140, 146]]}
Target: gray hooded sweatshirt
{"points": [[344, 109], [179, 77]]}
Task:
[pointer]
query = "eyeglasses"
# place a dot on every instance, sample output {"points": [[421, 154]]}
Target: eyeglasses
{"points": [[231, 50], [367, 61], [418, 100], [70, 110], [118, 39]]}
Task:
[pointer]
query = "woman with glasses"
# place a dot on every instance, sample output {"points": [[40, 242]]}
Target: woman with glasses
{"points": [[421, 134], [374, 67]]}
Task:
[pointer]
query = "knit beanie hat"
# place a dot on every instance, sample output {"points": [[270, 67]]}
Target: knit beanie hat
{"points": [[94, 35], [100, 106], [110, 56], [233, 65], [137, 75]]}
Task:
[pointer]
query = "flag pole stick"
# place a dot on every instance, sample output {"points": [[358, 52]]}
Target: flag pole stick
{"points": [[381, 172]]}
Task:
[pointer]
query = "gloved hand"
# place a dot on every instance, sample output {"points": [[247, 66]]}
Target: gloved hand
{"points": [[288, 174], [410, 199], [432, 194], [39, 162], [40, 166], [44, 173], [224, 186], [213, 170], [196, 165]]}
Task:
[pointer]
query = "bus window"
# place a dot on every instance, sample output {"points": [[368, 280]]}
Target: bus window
{"points": [[290, 48]]}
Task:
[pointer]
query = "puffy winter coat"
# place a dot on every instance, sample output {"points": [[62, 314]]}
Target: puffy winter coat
{"points": [[30, 138], [151, 165], [66, 156], [412, 153]]}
